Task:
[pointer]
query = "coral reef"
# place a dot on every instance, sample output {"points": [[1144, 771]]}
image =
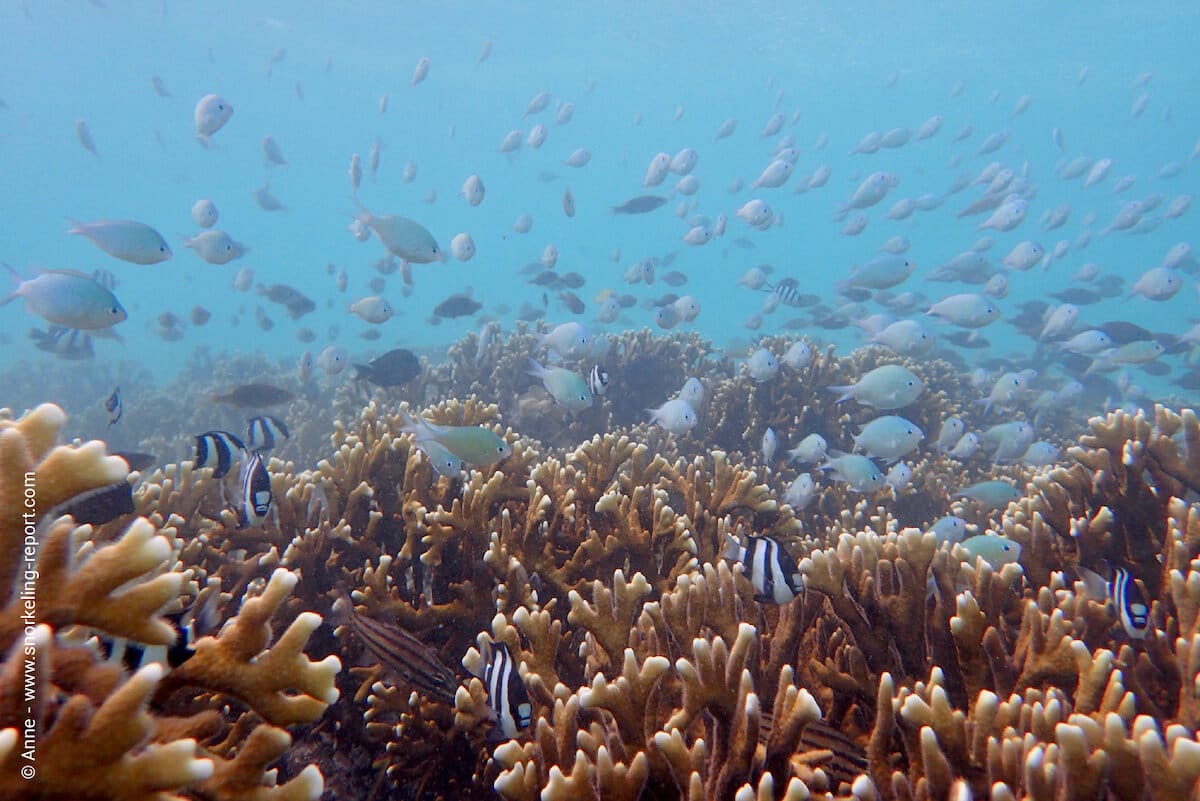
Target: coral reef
{"points": [[596, 555]]}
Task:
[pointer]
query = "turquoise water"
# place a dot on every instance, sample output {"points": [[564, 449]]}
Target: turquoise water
{"points": [[826, 67]]}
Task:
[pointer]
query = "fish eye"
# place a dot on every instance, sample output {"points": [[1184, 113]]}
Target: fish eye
{"points": [[114, 311]]}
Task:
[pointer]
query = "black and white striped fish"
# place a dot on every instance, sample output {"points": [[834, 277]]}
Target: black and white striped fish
{"points": [[255, 483], [218, 450], [507, 696], [115, 407], [190, 625], [788, 292], [1129, 603], [769, 567], [598, 380], [264, 431]]}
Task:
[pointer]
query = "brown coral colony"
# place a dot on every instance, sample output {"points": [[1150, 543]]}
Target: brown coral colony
{"points": [[610, 611]]}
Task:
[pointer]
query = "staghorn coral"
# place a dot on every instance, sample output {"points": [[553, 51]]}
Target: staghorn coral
{"points": [[653, 671], [97, 730]]}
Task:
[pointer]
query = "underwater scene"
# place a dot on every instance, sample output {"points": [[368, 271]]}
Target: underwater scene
{"points": [[606, 400]]}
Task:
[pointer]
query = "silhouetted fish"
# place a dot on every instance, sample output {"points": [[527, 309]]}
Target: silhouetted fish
{"points": [[136, 460], [1078, 296], [392, 369], [640, 204], [99, 506], [459, 305], [251, 396]]}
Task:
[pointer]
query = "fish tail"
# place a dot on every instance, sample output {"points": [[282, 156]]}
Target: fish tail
{"points": [[76, 227], [846, 392], [17, 280], [535, 369]]}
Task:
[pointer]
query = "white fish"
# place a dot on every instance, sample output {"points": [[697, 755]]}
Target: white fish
{"points": [[1088, 342], [798, 355], [421, 71], [899, 477], [523, 224], [266, 200], [993, 143], [332, 360], [127, 240], [676, 416], [949, 433], [769, 443], [473, 190], [888, 437], [858, 472], [820, 176], [762, 365], [410, 172], [755, 212], [567, 340], [968, 310], [868, 144], [719, 226], [568, 203], [355, 171], [210, 115], [657, 171], [1098, 172], [684, 161], [811, 450], [538, 103], [358, 230], [774, 174], [930, 127], [966, 447], [383, 103], [895, 245], [272, 153], [578, 158], [873, 189], [549, 256], [1178, 206], [406, 238], [692, 391], [484, 51], [215, 247], [486, 335], [1158, 283], [774, 125], [726, 129], [666, 317], [801, 492], [304, 365], [902, 209], [243, 280], [462, 247], [905, 337], [66, 298], [511, 142], [609, 310], [889, 386], [1023, 256], [341, 281], [564, 114], [698, 235], [204, 213], [1008, 215], [1059, 321], [537, 136], [372, 309], [1007, 392], [896, 137], [753, 278], [688, 185], [855, 225], [687, 307]]}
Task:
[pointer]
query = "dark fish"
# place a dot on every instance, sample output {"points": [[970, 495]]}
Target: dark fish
{"points": [[572, 301], [1155, 368], [262, 320], [99, 506], [664, 300], [217, 449], [250, 396], [1123, 332], [507, 696], [797, 323], [459, 305], [626, 301], [393, 369], [573, 280], [1078, 296], [675, 278], [114, 407], [855, 293], [744, 243], [136, 460], [296, 302], [546, 278], [264, 431], [371, 334], [404, 656], [199, 315], [1189, 380], [255, 483], [640, 204], [598, 380], [306, 335], [387, 265], [769, 566], [377, 284]]}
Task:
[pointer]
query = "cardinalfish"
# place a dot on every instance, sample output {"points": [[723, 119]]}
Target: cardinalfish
{"points": [[401, 654]]}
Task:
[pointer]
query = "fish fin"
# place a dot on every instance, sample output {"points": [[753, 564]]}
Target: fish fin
{"points": [[536, 370], [846, 390], [76, 227], [17, 280], [733, 548]]}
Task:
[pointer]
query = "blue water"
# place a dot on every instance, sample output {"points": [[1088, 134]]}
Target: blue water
{"points": [[825, 65]]}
